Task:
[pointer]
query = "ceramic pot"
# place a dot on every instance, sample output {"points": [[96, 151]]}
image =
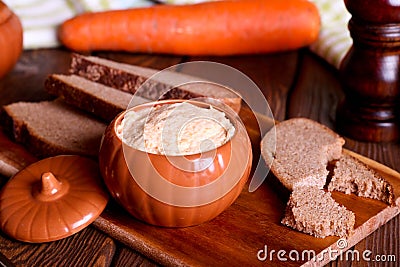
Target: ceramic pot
{"points": [[10, 39], [175, 191]]}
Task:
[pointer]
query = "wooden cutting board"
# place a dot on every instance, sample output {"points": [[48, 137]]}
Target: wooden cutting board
{"points": [[248, 233]]}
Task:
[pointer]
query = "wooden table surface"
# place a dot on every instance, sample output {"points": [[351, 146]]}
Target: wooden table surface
{"points": [[295, 83]]}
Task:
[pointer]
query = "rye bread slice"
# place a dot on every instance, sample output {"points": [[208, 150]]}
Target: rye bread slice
{"points": [[313, 211], [51, 128], [350, 175], [130, 78], [300, 154], [103, 101]]}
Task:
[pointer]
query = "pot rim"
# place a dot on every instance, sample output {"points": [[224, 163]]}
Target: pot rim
{"points": [[231, 115]]}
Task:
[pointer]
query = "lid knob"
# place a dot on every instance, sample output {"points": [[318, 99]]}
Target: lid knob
{"points": [[50, 188], [50, 184]]}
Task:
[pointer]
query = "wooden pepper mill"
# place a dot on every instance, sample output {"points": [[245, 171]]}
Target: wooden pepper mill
{"points": [[370, 73]]}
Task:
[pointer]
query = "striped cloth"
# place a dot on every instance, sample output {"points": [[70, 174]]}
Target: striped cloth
{"points": [[40, 19], [334, 38]]}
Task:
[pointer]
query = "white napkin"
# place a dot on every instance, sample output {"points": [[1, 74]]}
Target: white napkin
{"points": [[40, 19]]}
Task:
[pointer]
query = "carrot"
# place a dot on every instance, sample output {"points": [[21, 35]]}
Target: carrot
{"points": [[211, 28]]}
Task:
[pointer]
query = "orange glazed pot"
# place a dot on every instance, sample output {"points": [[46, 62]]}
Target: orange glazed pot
{"points": [[10, 39], [175, 191]]}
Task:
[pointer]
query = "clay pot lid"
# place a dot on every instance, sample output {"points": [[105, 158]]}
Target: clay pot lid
{"points": [[52, 199]]}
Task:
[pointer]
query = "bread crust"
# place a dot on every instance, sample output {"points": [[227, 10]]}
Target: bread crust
{"points": [[130, 78], [86, 95]]}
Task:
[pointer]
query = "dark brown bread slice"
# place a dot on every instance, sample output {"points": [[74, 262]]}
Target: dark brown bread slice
{"points": [[350, 175], [101, 100], [301, 151], [130, 78], [313, 211], [299, 157], [50, 128]]}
